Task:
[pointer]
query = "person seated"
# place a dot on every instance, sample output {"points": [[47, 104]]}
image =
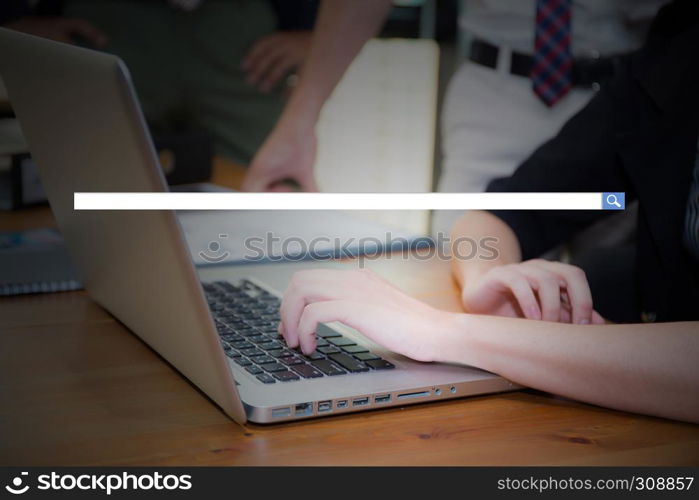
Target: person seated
{"points": [[205, 65], [533, 321]]}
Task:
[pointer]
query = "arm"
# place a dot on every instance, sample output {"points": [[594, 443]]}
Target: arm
{"points": [[506, 286], [646, 368], [478, 225], [651, 368], [582, 157], [342, 28]]}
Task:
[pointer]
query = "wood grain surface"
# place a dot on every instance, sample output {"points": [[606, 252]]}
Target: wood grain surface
{"points": [[77, 388]]}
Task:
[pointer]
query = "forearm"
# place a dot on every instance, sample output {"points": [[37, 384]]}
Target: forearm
{"points": [[342, 28], [651, 369], [476, 226]]}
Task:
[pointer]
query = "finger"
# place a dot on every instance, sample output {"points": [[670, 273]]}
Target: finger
{"points": [[385, 326], [521, 289], [281, 68], [549, 293], [566, 316], [280, 187], [281, 330], [577, 288], [307, 181], [547, 286], [253, 181], [290, 311], [264, 64], [87, 30], [278, 182], [323, 312], [258, 180], [597, 319], [566, 312], [259, 48], [304, 287]]}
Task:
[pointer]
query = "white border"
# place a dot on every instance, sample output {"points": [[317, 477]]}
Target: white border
{"points": [[338, 201]]}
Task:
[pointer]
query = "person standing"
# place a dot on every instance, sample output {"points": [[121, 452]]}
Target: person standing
{"points": [[532, 65], [213, 65]]}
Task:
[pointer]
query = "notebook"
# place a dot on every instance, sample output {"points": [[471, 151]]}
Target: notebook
{"points": [[35, 261]]}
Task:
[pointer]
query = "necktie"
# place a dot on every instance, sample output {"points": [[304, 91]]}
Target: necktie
{"points": [[553, 62]]}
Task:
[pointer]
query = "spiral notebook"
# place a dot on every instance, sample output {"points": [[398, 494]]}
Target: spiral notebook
{"points": [[35, 261]]}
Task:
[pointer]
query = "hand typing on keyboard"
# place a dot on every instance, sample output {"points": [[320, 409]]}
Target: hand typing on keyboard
{"points": [[247, 320], [364, 301]]}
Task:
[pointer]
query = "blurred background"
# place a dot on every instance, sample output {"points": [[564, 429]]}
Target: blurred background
{"points": [[214, 125]]}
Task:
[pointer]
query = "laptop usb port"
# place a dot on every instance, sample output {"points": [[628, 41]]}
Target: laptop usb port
{"points": [[342, 404], [324, 406], [382, 399], [360, 402], [303, 409]]}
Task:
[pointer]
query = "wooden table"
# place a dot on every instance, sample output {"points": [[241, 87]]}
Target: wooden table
{"points": [[77, 388]]}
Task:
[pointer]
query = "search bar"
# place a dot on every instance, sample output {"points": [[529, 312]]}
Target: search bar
{"points": [[349, 201]]}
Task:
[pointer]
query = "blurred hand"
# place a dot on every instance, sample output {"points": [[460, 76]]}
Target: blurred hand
{"points": [[288, 154], [60, 29], [273, 57], [535, 289], [364, 301]]}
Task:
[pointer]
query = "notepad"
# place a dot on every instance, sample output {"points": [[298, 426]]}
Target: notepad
{"points": [[35, 261]]}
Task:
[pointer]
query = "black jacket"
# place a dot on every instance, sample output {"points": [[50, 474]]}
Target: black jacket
{"points": [[638, 135]]}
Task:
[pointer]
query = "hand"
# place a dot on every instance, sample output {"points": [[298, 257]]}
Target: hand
{"points": [[274, 56], [535, 289], [60, 29], [288, 154], [364, 301]]}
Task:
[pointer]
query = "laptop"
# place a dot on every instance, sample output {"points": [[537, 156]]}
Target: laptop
{"points": [[217, 326]]}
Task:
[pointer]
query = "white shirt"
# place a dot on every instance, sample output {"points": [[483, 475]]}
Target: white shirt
{"points": [[603, 27]]}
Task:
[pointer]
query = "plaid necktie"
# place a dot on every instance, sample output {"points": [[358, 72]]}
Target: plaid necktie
{"points": [[553, 62]]}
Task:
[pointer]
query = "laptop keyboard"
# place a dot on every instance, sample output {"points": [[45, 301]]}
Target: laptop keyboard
{"points": [[247, 320]]}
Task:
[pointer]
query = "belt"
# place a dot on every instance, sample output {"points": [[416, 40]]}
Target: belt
{"points": [[587, 72]]}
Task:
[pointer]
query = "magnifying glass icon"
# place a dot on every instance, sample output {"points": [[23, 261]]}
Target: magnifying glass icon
{"points": [[612, 200]]}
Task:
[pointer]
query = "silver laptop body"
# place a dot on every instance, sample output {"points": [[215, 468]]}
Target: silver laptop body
{"points": [[79, 113]]}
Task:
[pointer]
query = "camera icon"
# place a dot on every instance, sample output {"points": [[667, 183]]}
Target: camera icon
{"points": [[213, 253], [16, 487]]}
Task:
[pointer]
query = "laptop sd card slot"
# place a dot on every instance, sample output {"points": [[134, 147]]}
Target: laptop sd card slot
{"points": [[411, 395]]}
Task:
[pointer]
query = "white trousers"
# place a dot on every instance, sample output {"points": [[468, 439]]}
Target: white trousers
{"points": [[491, 122]]}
